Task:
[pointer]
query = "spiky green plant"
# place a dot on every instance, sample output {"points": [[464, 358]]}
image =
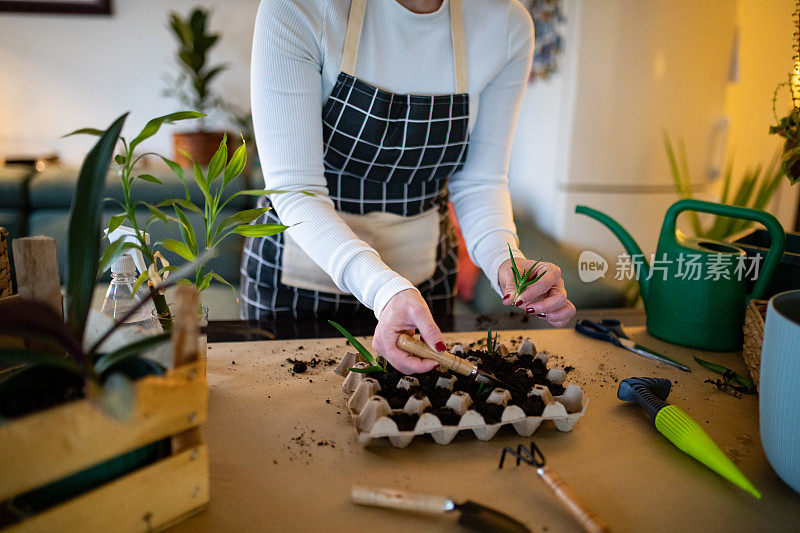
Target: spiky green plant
{"points": [[523, 280], [754, 191]]}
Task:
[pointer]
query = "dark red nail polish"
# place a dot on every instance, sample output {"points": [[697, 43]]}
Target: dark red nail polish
{"points": [[440, 347], [506, 297], [530, 311], [541, 315], [519, 303]]}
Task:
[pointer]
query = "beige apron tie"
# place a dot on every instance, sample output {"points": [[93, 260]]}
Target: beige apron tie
{"points": [[353, 37]]}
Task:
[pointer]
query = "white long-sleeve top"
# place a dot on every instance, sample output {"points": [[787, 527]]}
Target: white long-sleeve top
{"points": [[297, 54]]}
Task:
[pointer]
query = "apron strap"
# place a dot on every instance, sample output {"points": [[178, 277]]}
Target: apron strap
{"points": [[352, 38], [459, 46]]}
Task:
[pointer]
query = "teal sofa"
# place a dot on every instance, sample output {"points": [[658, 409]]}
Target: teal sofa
{"points": [[38, 203]]}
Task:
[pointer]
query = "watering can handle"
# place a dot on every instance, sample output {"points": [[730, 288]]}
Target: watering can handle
{"points": [[776, 233]]}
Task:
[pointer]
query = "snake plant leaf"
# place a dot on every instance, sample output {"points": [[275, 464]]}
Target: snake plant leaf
{"points": [[32, 319], [357, 345], [259, 230], [108, 360], [218, 160], [152, 127], [83, 243]]}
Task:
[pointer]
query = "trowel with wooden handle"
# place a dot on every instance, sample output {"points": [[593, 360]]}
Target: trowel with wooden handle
{"points": [[472, 515], [414, 346]]}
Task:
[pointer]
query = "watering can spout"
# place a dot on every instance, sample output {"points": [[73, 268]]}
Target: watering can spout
{"points": [[627, 241]]}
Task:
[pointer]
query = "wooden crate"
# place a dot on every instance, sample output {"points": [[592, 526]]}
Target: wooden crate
{"points": [[47, 446]]}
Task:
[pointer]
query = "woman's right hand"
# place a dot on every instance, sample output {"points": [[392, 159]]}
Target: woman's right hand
{"points": [[405, 312]]}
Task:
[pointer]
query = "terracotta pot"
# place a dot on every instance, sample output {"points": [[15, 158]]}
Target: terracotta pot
{"points": [[200, 145]]}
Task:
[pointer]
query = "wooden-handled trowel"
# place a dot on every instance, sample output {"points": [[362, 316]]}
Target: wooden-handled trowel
{"points": [[472, 515], [447, 360]]}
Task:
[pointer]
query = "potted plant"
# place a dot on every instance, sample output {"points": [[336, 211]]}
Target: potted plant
{"points": [[195, 242], [36, 382], [788, 127], [192, 85]]}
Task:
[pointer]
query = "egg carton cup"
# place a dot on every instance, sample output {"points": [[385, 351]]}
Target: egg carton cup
{"points": [[370, 412]]}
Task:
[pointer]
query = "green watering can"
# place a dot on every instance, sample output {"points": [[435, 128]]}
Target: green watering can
{"points": [[695, 292]]}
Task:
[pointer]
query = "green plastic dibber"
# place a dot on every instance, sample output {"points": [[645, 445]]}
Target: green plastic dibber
{"points": [[680, 428], [687, 435]]}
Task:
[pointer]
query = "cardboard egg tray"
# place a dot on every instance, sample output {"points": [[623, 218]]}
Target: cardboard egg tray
{"points": [[370, 412]]}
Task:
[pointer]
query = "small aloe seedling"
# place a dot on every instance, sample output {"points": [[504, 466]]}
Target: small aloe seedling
{"points": [[523, 280], [483, 391], [371, 359], [491, 344]]}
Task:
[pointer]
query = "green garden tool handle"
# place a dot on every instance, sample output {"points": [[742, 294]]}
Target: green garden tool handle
{"points": [[776, 233]]}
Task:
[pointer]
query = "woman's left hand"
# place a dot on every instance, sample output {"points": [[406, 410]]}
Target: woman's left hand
{"points": [[547, 298]]}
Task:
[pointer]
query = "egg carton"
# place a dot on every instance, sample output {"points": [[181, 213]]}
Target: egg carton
{"points": [[371, 412]]}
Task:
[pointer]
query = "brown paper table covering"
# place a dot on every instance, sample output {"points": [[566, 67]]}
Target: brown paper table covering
{"points": [[284, 452]]}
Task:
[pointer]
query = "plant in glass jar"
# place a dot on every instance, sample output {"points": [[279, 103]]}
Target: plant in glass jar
{"points": [[788, 126]]}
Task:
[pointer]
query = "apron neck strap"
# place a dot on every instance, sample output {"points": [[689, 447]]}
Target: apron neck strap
{"points": [[353, 37]]}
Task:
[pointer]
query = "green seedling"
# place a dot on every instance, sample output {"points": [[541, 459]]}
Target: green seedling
{"points": [[483, 391], [523, 280], [744, 386], [375, 366], [491, 344]]}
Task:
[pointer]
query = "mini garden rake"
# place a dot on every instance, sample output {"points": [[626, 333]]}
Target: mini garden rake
{"points": [[568, 498]]}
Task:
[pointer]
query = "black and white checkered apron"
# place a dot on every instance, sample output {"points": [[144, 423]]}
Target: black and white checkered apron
{"points": [[382, 152]]}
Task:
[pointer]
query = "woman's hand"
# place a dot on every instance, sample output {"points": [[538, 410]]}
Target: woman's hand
{"points": [[547, 298], [405, 312]]}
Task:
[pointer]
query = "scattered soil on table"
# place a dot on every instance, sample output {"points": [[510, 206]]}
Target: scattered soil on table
{"points": [[300, 366]]}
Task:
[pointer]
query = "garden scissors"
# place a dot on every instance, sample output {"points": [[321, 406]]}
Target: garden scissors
{"points": [[609, 331]]}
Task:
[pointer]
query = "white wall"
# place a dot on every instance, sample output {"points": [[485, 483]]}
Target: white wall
{"points": [[591, 134], [63, 72]]}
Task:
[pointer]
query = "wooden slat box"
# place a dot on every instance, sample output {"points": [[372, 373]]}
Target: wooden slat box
{"points": [[46, 446]]}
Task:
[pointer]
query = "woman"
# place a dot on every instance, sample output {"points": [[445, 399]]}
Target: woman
{"points": [[384, 109]]}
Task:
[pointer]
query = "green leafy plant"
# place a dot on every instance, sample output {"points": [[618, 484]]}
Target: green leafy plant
{"points": [[192, 85], [483, 391], [375, 366], [754, 190], [127, 161], [32, 319], [523, 280], [788, 127], [491, 344], [212, 183]]}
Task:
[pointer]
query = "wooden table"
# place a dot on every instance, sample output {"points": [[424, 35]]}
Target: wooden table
{"points": [[284, 454]]}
